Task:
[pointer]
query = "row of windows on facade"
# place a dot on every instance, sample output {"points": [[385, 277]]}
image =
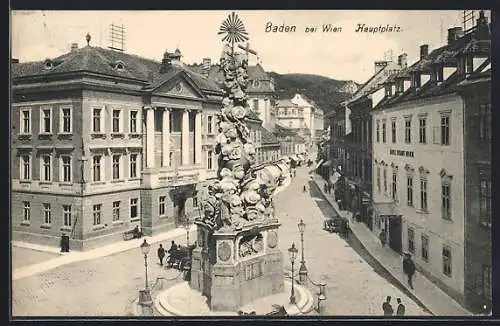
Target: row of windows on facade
{"points": [[65, 173], [483, 281], [67, 216], [484, 195], [443, 138], [359, 167], [98, 121], [441, 133], [290, 112], [96, 211]]}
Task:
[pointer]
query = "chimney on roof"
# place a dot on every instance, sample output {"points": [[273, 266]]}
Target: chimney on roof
{"points": [[205, 67], [379, 65], [403, 60], [424, 51], [454, 34], [74, 46]]}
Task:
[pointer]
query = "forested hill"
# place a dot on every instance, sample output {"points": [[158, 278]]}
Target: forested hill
{"points": [[325, 92]]}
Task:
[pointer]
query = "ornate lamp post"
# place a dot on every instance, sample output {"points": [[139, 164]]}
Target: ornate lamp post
{"points": [[144, 295], [303, 268], [292, 251]]}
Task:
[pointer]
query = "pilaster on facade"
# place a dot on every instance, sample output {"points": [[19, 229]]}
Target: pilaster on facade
{"points": [[166, 138], [150, 143], [185, 137], [197, 138]]}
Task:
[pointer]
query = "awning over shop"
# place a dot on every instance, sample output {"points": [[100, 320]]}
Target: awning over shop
{"points": [[300, 157], [327, 163], [334, 178], [319, 164], [386, 209], [294, 157]]}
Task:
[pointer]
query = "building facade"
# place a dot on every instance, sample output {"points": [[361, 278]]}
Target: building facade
{"points": [[301, 115], [290, 142], [260, 90], [351, 138], [476, 93], [104, 141], [420, 161]]}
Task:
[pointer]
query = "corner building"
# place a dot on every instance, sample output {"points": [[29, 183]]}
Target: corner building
{"points": [[103, 141]]}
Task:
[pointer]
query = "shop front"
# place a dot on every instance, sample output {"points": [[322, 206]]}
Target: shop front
{"points": [[388, 218]]}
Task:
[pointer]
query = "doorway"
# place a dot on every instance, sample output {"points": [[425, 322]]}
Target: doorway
{"points": [[180, 210], [395, 234]]}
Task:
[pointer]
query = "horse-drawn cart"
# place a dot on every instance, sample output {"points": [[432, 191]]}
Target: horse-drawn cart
{"points": [[180, 258]]}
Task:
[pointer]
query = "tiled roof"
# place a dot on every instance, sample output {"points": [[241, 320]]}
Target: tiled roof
{"points": [[267, 136], [102, 61], [375, 82], [448, 56], [255, 73], [252, 115], [285, 104]]}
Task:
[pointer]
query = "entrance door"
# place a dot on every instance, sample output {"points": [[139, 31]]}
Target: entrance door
{"points": [[180, 210], [395, 234]]}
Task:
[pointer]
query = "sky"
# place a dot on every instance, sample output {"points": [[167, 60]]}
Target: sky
{"points": [[344, 55]]}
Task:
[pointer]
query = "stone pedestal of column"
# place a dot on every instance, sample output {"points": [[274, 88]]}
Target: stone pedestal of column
{"points": [[233, 268]]}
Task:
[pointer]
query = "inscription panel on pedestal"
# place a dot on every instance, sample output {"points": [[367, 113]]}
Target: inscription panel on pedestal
{"points": [[272, 239], [224, 251]]}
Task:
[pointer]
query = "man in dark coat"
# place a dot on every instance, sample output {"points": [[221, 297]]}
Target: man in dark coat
{"points": [[387, 307], [173, 247], [161, 254], [409, 269], [401, 308]]}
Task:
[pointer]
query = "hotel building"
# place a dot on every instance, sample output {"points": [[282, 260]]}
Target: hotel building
{"points": [[431, 192]]}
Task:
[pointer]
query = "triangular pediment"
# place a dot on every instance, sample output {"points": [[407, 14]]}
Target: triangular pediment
{"points": [[178, 85]]}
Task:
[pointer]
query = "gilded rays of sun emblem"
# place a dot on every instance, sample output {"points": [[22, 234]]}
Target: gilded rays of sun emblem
{"points": [[233, 29]]}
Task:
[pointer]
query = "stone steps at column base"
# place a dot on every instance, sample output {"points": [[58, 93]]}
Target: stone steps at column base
{"points": [[165, 307]]}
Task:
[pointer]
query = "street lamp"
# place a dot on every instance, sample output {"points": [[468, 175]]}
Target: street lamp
{"points": [[303, 268], [292, 251], [144, 295]]}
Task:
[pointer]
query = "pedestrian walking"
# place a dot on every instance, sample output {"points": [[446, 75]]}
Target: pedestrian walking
{"points": [[161, 254], [305, 188], [325, 188], [387, 307], [401, 308], [382, 237], [409, 268]]}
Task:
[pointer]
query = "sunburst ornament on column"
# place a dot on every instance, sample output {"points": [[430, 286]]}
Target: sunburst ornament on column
{"points": [[233, 29]]}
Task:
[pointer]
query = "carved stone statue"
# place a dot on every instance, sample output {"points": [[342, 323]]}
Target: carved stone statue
{"points": [[243, 192]]}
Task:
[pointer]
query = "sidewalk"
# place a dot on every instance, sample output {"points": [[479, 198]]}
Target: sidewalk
{"points": [[76, 256], [429, 294]]}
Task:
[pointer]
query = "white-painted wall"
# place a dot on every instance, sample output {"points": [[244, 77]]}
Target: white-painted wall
{"points": [[434, 157]]}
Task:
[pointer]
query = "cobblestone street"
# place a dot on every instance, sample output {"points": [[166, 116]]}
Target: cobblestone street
{"points": [[99, 287], [354, 287], [107, 286]]}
